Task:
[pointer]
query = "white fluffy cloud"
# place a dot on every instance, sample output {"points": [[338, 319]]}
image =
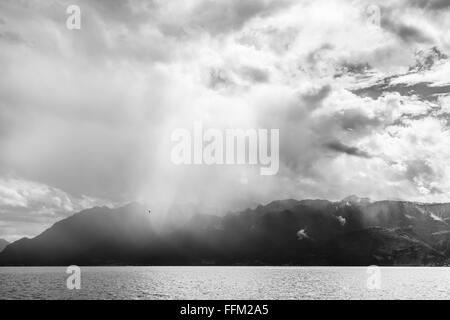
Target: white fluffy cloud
{"points": [[27, 206]]}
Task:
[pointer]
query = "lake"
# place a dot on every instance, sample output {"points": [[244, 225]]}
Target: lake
{"points": [[225, 283]]}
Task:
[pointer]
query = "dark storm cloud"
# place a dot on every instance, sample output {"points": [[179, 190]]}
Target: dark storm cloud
{"points": [[301, 133], [255, 74], [12, 37], [407, 33], [130, 13], [357, 120], [423, 90], [342, 148], [308, 101], [410, 33], [219, 17], [211, 15], [419, 169], [432, 4], [355, 68], [314, 99]]}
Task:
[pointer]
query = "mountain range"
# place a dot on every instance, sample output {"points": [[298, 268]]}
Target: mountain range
{"points": [[354, 231]]}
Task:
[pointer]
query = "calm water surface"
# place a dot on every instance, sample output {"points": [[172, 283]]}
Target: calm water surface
{"points": [[224, 283]]}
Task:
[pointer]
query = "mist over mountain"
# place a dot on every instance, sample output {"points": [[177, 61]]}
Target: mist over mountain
{"points": [[354, 231], [3, 244]]}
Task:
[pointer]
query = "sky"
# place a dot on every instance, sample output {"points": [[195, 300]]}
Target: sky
{"points": [[359, 91]]}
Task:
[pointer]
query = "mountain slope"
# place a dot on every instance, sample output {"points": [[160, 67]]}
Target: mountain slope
{"points": [[3, 244], [97, 235], [379, 246], [309, 232]]}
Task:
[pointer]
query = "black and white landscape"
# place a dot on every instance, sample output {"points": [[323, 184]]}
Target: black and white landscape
{"points": [[167, 133]]}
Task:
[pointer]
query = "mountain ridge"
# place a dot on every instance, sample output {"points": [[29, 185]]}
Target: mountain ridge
{"points": [[353, 231]]}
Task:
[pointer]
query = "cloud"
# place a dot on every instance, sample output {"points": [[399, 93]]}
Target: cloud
{"points": [[12, 37], [31, 206], [301, 234], [341, 220], [432, 4], [255, 74], [314, 99], [408, 33], [224, 16], [353, 151]]}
